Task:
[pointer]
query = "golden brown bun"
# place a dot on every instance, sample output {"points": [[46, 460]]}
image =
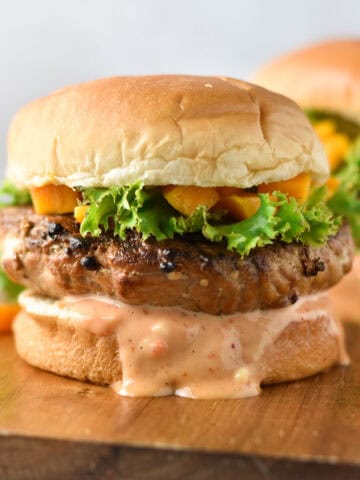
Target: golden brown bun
{"points": [[324, 76], [302, 349], [57, 346], [206, 131], [345, 296]]}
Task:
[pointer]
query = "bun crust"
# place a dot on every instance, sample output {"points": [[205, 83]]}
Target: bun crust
{"points": [[205, 131], [57, 346], [302, 349], [325, 76]]}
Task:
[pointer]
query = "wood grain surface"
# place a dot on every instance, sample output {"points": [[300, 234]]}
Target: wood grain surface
{"points": [[314, 420], [37, 459]]}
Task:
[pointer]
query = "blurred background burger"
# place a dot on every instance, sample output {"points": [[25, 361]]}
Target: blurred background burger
{"points": [[324, 79]]}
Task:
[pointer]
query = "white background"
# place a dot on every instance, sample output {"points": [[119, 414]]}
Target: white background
{"points": [[47, 44]]}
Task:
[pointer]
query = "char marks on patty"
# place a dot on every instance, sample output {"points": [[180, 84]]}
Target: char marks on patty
{"points": [[52, 259]]}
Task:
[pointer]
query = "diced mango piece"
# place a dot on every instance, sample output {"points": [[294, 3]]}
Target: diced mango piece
{"points": [[7, 314], [332, 185], [241, 206], [324, 129], [185, 199], [336, 147], [54, 199], [80, 212], [297, 187]]}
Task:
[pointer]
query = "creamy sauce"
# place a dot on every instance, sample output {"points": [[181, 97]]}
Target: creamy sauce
{"points": [[345, 296], [165, 351]]}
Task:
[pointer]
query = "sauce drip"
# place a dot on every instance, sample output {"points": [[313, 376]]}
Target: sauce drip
{"points": [[165, 351]]}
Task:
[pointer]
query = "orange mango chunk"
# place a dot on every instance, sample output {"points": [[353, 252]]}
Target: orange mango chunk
{"points": [[324, 129], [80, 212], [7, 315], [54, 199], [241, 206], [335, 148], [297, 187], [185, 199], [332, 185]]}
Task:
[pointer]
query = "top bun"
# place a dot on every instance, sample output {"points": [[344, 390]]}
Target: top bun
{"points": [[185, 130], [325, 76]]}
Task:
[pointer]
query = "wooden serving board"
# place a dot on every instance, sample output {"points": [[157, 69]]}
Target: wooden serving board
{"points": [[52, 427]]}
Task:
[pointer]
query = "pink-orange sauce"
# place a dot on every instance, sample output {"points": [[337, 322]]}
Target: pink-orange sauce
{"points": [[165, 351]]}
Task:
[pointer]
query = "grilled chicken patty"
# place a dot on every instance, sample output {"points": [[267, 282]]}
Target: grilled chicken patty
{"points": [[48, 255]]}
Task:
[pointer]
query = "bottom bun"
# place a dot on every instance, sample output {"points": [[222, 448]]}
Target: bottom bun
{"points": [[345, 296], [148, 351]]}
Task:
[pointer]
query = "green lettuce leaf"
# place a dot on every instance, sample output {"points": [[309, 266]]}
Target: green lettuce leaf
{"points": [[130, 207], [346, 199], [146, 210], [11, 196], [9, 290], [282, 219]]}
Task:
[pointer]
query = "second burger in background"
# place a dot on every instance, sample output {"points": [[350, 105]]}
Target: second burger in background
{"points": [[324, 79]]}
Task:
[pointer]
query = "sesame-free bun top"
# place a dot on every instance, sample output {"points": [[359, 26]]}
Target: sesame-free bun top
{"points": [[324, 76], [186, 130]]}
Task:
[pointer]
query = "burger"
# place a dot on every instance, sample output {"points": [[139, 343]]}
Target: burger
{"points": [[325, 80], [177, 240]]}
